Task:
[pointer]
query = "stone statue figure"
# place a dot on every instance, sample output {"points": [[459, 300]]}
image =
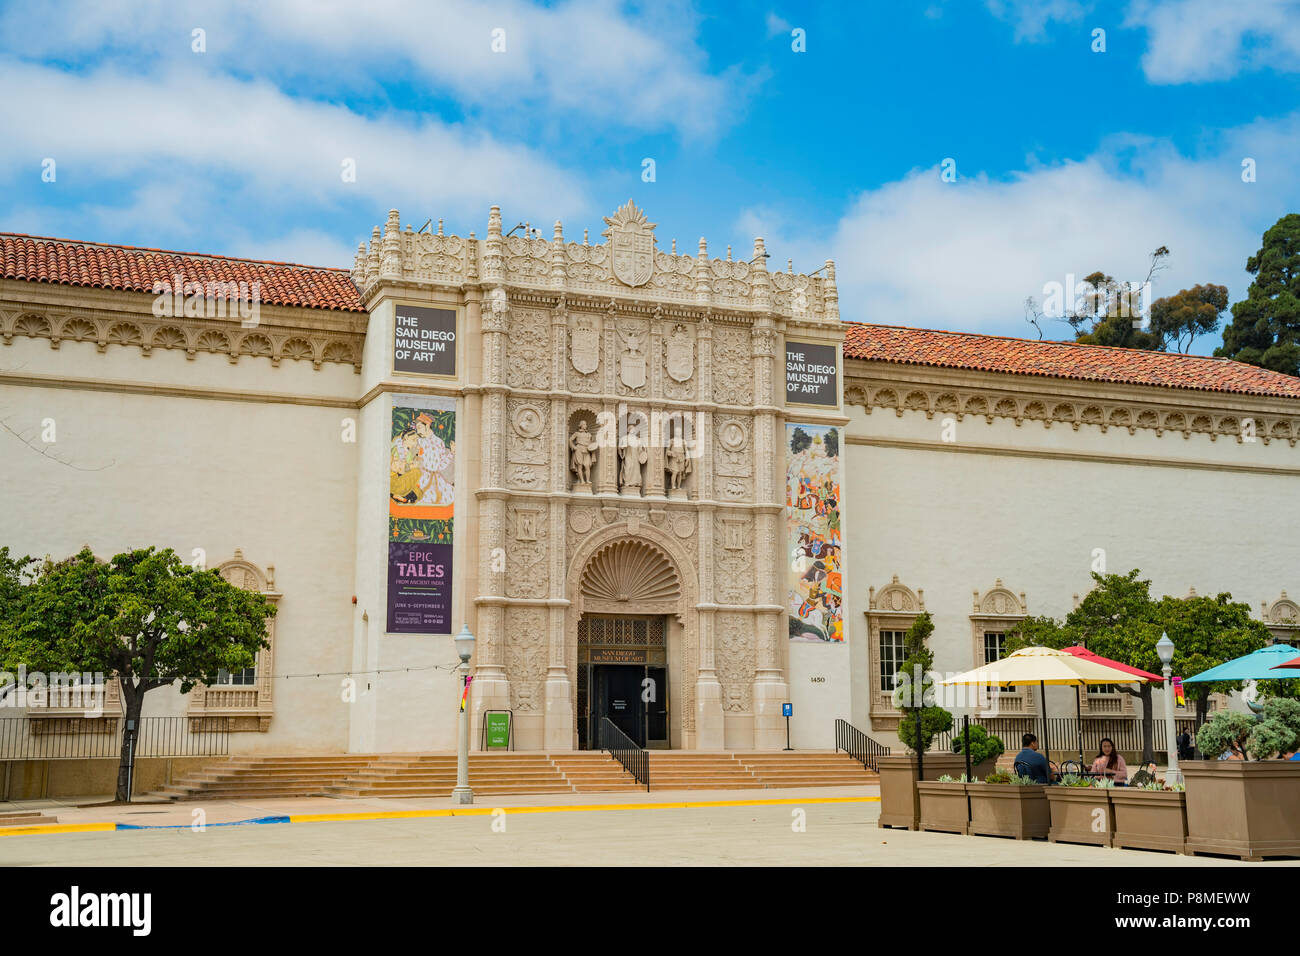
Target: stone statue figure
{"points": [[678, 463], [583, 445], [634, 454]]}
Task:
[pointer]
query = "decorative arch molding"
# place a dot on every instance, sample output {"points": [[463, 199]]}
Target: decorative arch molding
{"points": [[1282, 618], [897, 598], [1074, 412], [630, 573], [891, 610], [644, 535], [1000, 601], [993, 614], [243, 707], [665, 559], [188, 335]]}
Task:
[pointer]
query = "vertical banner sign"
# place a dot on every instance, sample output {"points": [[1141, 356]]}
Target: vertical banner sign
{"points": [[421, 508], [812, 499], [424, 340], [811, 375]]}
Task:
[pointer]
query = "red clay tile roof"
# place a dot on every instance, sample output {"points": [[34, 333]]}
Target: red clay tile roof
{"points": [[134, 269], [1095, 363]]}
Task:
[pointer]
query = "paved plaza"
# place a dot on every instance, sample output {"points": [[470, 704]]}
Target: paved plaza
{"points": [[821, 828]]}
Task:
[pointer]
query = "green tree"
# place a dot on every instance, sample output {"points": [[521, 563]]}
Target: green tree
{"points": [[1265, 326], [915, 689], [1119, 619], [1208, 631], [144, 617], [1179, 320]]}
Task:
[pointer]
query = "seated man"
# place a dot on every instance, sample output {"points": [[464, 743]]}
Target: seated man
{"points": [[1031, 763]]}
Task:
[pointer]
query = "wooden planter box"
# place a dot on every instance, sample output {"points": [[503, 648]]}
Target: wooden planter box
{"points": [[1149, 819], [899, 806], [1081, 815], [943, 807], [1002, 809], [1244, 808]]}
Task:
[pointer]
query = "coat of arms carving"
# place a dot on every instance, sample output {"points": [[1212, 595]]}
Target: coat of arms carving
{"points": [[679, 354], [632, 245], [631, 364], [584, 345]]}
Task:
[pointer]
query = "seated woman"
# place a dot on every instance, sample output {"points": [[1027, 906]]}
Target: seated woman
{"points": [[1110, 764]]}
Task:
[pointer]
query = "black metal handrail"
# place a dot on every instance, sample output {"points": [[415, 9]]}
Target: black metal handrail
{"points": [[857, 744], [635, 759]]}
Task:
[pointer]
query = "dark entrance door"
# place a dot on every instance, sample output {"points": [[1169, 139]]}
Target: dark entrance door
{"points": [[618, 697]]}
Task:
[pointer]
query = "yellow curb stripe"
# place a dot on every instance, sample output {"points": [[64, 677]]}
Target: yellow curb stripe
{"points": [[473, 812], [57, 828], [582, 807]]}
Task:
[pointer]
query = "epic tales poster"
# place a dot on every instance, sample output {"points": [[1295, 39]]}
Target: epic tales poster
{"points": [[421, 510], [812, 498]]}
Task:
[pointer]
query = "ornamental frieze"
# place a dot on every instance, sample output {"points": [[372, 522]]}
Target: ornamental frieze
{"points": [[191, 337], [1104, 415]]}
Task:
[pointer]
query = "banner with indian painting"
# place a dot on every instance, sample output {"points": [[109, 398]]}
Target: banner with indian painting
{"points": [[812, 499], [421, 511]]}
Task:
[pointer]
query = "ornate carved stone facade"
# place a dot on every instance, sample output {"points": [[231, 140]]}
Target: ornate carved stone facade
{"points": [[651, 375]]}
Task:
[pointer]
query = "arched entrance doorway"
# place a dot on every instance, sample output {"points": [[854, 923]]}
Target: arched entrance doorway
{"points": [[628, 655]]}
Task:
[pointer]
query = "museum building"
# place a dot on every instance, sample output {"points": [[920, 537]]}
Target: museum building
{"points": [[623, 466]]}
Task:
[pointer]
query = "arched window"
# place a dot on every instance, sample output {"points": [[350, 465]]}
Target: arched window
{"points": [[242, 700]]}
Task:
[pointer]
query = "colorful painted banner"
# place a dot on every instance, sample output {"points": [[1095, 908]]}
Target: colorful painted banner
{"points": [[812, 499], [421, 508]]}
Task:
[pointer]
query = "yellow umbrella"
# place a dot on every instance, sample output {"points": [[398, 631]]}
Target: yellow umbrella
{"points": [[1043, 665]]}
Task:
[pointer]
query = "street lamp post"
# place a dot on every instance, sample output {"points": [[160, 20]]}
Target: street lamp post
{"points": [[1165, 648], [464, 647]]}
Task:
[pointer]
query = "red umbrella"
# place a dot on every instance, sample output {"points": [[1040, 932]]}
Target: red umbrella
{"points": [[1078, 650], [1293, 664]]}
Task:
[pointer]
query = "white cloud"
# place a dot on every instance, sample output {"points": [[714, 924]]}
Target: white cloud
{"points": [[184, 145], [640, 69], [776, 25], [1031, 18], [1195, 41], [965, 255]]}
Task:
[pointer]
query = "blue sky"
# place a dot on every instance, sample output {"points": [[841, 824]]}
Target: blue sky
{"points": [[1067, 160]]}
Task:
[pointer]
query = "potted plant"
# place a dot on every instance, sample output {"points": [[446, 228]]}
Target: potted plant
{"points": [[914, 697], [943, 805], [985, 749], [1246, 805], [1150, 817], [1009, 805], [1081, 811]]}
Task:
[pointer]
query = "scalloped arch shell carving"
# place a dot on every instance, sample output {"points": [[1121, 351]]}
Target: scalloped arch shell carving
{"points": [[630, 572]]}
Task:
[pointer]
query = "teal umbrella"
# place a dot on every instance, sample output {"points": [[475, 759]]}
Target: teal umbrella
{"points": [[1253, 666]]}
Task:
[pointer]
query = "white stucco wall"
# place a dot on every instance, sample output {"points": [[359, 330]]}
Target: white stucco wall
{"points": [[1010, 502], [273, 479]]}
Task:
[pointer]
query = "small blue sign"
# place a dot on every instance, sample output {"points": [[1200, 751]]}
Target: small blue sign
{"points": [[787, 710]]}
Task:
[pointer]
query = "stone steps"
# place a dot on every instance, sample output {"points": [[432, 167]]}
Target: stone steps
{"points": [[434, 774], [26, 818]]}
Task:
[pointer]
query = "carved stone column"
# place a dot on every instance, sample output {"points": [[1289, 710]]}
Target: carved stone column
{"points": [[491, 688], [709, 724], [656, 435], [606, 472], [559, 715], [771, 687]]}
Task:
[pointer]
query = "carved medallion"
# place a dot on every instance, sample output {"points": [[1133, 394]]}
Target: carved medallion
{"points": [[632, 245], [528, 422], [584, 344], [679, 354]]}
